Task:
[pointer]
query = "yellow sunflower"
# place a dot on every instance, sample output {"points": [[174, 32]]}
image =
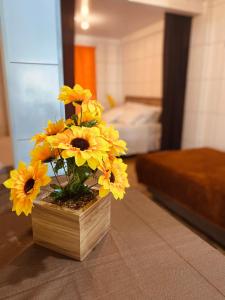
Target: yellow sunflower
{"points": [[111, 135], [51, 129], [69, 122], [25, 183], [114, 178], [87, 115], [44, 153], [94, 107], [85, 144], [76, 95]]}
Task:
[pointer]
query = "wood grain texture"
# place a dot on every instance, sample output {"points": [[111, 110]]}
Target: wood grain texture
{"points": [[71, 232], [145, 100]]}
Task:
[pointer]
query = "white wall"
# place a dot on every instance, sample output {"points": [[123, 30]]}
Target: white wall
{"points": [[204, 122], [142, 56], [108, 66]]}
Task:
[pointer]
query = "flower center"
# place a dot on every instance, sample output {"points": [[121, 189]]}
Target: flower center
{"points": [[112, 178], [80, 143], [79, 102], [48, 159], [29, 185]]}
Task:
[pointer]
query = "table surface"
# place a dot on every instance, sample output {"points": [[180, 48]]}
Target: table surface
{"points": [[147, 254]]}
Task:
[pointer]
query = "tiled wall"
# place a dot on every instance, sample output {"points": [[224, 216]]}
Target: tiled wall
{"points": [[142, 56], [108, 66], [204, 123]]}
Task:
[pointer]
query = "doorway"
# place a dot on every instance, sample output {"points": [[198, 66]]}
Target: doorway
{"points": [[127, 39]]}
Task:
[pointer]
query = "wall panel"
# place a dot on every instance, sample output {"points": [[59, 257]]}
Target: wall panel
{"points": [[31, 32]]}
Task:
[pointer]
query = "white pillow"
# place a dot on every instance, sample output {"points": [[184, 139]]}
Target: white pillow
{"points": [[129, 116], [150, 116], [136, 114], [113, 114]]}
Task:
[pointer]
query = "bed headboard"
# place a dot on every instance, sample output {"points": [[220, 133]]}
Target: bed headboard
{"points": [[146, 100]]}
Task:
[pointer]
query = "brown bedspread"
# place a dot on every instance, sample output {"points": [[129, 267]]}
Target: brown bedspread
{"points": [[195, 178]]}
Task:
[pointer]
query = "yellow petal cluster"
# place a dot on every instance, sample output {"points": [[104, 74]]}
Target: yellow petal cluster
{"points": [[25, 184], [91, 110], [111, 135], [44, 153], [113, 178], [51, 129], [83, 143], [84, 137], [76, 95]]}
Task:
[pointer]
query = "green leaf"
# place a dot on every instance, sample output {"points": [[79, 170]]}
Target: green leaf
{"points": [[74, 187], [85, 189], [59, 165], [55, 186], [70, 165], [74, 117], [84, 172], [89, 123], [57, 194]]}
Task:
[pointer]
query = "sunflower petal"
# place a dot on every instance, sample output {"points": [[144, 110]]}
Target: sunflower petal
{"points": [[79, 160], [8, 183], [92, 163], [103, 192]]}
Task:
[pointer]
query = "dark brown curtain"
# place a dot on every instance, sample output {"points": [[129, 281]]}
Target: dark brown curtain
{"points": [[68, 31], [176, 46]]}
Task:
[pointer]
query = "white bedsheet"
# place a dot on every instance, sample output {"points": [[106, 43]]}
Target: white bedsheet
{"points": [[138, 124], [140, 138]]}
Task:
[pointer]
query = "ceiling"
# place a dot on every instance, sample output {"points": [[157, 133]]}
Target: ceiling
{"points": [[117, 18]]}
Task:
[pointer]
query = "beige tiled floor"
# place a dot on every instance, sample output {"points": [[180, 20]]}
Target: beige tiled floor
{"points": [[132, 176], [142, 188]]}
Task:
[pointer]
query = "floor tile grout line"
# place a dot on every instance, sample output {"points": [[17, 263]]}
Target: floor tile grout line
{"points": [[174, 250]]}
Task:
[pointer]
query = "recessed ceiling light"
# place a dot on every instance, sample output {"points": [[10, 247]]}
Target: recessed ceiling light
{"points": [[84, 10], [85, 25]]}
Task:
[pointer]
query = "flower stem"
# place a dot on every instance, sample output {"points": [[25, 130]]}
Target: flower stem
{"points": [[66, 173], [81, 115], [56, 177], [90, 186], [43, 189]]}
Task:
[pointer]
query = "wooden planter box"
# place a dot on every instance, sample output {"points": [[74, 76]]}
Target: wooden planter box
{"points": [[71, 232]]}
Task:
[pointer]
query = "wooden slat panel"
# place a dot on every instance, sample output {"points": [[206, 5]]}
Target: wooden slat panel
{"points": [[71, 232], [144, 100]]}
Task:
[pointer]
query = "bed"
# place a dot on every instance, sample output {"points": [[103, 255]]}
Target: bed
{"points": [[191, 183], [138, 122]]}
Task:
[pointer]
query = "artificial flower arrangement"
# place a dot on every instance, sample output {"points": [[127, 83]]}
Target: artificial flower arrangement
{"points": [[83, 147]]}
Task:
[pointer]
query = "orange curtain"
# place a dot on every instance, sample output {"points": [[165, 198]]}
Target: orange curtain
{"points": [[85, 68]]}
